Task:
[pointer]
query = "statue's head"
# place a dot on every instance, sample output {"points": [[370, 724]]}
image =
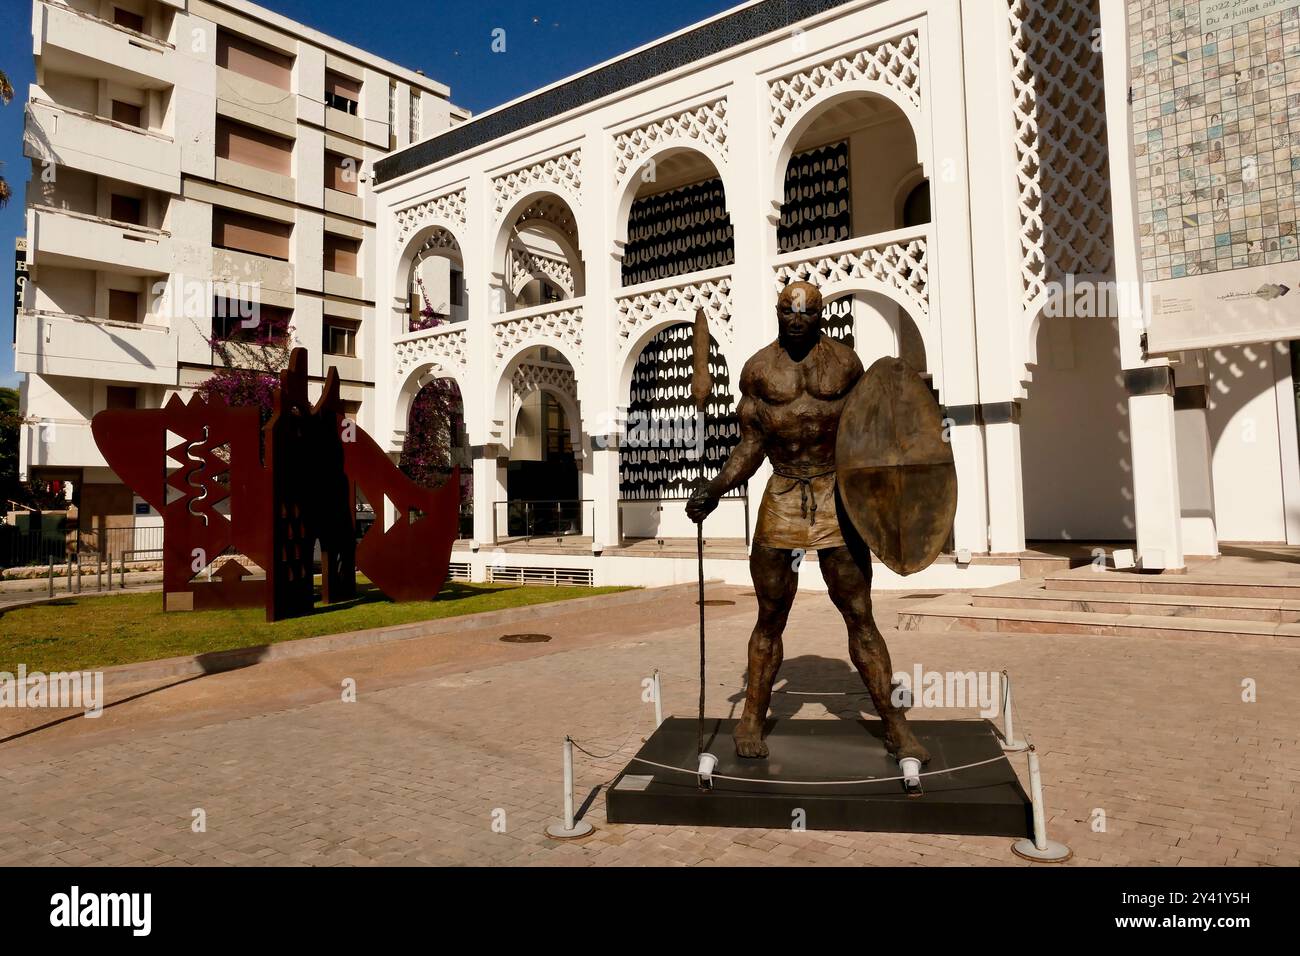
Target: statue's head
{"points": [[799, 313]]}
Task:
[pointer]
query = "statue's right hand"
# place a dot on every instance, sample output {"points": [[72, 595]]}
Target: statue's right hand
{"points": [[701, 504]]}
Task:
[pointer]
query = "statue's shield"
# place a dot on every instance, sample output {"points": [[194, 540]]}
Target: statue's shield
{"points": [[897, 481]]}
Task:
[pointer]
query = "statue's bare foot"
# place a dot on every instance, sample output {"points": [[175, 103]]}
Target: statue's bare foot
{"points": [[901, 742], [749, 739]]}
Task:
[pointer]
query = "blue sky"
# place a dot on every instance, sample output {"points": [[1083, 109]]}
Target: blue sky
{"points": [[451, 42]]}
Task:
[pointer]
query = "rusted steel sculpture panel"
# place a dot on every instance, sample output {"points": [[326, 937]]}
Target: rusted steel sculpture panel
{"points": [[200, 465]]}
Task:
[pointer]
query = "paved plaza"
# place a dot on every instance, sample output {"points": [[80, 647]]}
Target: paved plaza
{"points": [[451, 752]]}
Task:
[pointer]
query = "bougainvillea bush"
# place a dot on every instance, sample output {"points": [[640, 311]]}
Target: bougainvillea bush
{"points": [[247, 367], [432, 431]]}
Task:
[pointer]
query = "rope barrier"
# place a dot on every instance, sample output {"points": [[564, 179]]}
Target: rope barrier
{"points": [[612, 753], [820, 783]]}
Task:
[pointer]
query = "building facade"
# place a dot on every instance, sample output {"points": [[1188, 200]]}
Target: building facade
{"points": [[936, 168], [1074, 218], [199, 172]]}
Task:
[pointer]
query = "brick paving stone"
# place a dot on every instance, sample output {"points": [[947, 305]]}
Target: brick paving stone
{"points": [[447, 731]]}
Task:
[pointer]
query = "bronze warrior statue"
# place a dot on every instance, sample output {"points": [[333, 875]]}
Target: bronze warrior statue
{"points": [[793, 392]]}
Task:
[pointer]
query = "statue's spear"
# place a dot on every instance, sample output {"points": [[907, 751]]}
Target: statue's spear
{"points": [[701, 389]]}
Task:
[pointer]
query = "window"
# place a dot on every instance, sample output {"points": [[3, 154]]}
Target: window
{"points": [[342, 93], [234, 321], [457, 287], [121, 396], [341, 172], [241, 232], [132, 21], [340, 337], [916, 207], [341, 254], [243, 56], [254, 147], [392, 114], [123, 306], [127, 113], [125, 209], [558, 439], [415, 115]]}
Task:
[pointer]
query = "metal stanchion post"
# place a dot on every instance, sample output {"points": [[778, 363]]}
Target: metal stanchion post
{"points": [[569, 828], [51, 577], [1039, 849], [659, 700], [1009, 742]]}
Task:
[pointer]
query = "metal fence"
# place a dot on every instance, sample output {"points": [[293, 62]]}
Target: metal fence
{"points": [[37, 548], [531, 519]]}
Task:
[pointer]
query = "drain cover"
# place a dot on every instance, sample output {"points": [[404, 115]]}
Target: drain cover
{"points": [[525, 638], [716, 602]]}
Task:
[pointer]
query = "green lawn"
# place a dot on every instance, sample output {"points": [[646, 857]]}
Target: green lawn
{"points": [[81, 633]]}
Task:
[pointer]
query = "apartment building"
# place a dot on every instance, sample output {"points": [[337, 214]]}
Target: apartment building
{"points": [[200, 169]]}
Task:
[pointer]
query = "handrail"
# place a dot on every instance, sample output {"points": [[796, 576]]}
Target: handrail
{"points": [[152, 231], [559, 516], [164, 44], [92, 320], [96, 118], [440, 329]]}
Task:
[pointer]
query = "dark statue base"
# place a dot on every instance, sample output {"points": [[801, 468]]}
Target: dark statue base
{"points": [[982, 801]]}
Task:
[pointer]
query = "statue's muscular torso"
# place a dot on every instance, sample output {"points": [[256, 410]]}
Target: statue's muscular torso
{"points": [[795, 406]]}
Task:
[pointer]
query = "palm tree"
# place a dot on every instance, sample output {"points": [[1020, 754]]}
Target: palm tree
{"points": [[6, 94]]}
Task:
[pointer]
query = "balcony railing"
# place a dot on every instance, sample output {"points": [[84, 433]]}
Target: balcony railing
{"points": [[147, 232], [94, 118], [148, 39], [555, 324], [898, 260]]}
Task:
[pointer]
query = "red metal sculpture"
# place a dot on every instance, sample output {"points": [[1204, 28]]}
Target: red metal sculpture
{"points": [[200, 464]]}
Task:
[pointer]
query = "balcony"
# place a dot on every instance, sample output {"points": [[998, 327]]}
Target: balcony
{"points": [[70, 41], [269, 275], [76, 240], [250, 100], [554, 324], [60, 443], [69, 137], [52, 343]]}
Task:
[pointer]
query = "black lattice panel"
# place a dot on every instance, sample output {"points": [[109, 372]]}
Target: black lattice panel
{"points": [[817, 209], [678, 231], [661, 396]]}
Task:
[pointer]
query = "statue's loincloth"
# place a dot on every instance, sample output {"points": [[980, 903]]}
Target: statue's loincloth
{"points": [[799, 512]]}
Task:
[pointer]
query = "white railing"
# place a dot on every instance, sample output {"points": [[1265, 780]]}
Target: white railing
{"points": [[673, 282], [149, 39], [898, 259], [151, 232]]}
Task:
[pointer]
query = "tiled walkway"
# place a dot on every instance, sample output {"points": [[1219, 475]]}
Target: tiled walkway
{"points": [[451, 753]]}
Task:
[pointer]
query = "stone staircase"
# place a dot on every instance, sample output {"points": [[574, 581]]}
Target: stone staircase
{"points": [[1207, 606]]}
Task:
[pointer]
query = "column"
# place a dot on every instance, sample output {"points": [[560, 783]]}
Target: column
{"points": [[1157, 499]]}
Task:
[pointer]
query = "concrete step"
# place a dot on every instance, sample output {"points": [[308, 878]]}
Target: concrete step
{"points": [[1233, 585], [949, 617], [1032, 596]]}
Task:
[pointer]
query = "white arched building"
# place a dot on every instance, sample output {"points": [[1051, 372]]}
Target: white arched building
{"points": [[938, 168]]}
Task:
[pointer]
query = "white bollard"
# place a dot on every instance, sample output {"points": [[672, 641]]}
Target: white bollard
{"points": [[1039, 849], [659, 701], [910, 768], [1009, 742], [569, 828], [708, 764]]}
